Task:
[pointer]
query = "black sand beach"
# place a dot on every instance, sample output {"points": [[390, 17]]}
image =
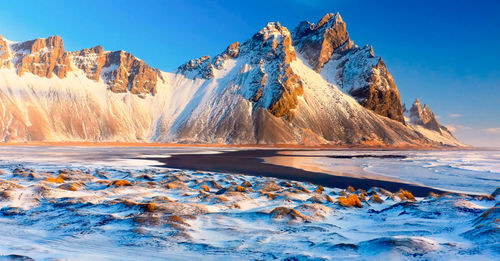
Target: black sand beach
{"points": [[249, 162]]}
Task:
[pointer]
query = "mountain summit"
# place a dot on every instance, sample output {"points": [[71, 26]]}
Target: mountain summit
{"points": [[278, 87], [327, 48]]}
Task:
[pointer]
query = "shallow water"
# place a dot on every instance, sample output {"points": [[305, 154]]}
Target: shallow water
{"points": [[469, 171]]}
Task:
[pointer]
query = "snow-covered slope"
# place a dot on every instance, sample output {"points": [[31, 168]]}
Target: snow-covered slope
{"points": [[257, 92]]}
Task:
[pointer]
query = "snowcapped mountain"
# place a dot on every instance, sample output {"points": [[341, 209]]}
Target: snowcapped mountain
{"points": [[277, 87]]}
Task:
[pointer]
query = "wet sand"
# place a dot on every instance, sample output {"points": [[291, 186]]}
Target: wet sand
{"points": [[250, 162]]}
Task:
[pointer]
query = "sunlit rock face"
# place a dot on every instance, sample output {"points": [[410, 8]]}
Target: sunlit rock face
{"points": [[120, 70], [268, 55], [425, 117], [4, 53], [327, 48], [42, 57]]}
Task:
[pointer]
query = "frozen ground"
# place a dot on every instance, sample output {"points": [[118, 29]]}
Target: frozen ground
{"points": [[95, 203], [469, 171]]}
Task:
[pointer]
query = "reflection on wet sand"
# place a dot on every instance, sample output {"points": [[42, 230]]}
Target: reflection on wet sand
{"points": [[348, 169]]}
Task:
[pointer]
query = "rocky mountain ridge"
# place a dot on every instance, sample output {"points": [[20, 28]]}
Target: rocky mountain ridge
{"points": [[423, 116], [327, 47], [122, 71], [278, 87]]}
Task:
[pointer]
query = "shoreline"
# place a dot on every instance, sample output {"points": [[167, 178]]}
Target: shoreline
{"points": [[251, 162], [250, 146]]}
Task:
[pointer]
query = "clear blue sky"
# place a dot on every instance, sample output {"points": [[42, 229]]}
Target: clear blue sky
{"points": [[447, 53]]}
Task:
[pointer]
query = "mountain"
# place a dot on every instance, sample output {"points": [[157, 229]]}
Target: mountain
{"points": [[327, 48], [278, 87], [424, 120]]}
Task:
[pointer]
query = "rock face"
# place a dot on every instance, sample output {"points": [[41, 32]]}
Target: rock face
{"points": [[425, 117], [328, 50], [90, 61], [127, 73], [4, 53], [120, 70], [317, 43], [42, 57], [273, 84]]}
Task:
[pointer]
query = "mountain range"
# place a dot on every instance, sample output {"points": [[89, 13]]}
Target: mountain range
{"points": [[308, 86]]}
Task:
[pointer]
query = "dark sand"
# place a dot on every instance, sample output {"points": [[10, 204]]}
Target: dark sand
{"points": [[249, 162]]}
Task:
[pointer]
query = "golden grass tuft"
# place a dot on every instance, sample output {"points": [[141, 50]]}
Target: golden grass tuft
{"points": [[205, 188], [59, 179], [120, 183], [405, 195], [351, 201]]}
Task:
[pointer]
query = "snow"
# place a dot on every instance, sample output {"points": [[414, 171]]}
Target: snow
{"points": [[193, 105], [101, 222]]}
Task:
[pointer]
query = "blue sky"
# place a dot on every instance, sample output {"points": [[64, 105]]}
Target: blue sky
{"points": [[444, 52]]}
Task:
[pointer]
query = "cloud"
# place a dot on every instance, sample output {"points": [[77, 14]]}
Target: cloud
{"points": [[455, 115], [493, 130], [458, 127]]}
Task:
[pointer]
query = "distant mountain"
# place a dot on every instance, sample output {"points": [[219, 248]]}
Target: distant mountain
{"points": [[278, 87]]}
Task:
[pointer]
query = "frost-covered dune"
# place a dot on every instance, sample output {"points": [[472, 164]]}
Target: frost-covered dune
{"points": [[83, 210]]}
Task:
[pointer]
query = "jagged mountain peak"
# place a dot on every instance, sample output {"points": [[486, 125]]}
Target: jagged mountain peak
{"points": [[423, 115], [46, 57], [317, 43], [329, 50], [36, 45], [329, 20]]}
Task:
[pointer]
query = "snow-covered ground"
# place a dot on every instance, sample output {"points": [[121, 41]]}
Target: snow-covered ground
{"points": [[83, 203]]}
